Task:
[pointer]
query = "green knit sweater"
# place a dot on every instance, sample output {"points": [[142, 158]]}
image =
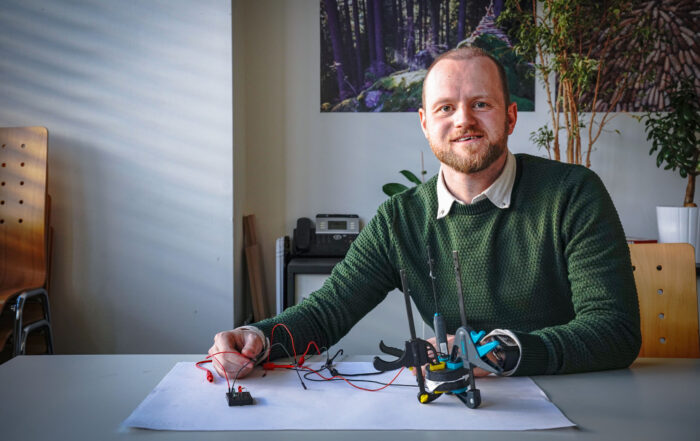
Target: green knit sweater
{"points": [[554, 268]]}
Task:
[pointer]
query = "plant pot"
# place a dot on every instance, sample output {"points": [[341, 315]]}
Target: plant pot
{"points": [[679, 224]]}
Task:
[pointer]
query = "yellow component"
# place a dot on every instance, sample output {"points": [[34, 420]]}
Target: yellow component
{"points": [[423, 398], [437, 367]]}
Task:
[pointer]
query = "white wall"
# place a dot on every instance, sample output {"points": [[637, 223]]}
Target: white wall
{"points": [[301, 162], [137, 98]]}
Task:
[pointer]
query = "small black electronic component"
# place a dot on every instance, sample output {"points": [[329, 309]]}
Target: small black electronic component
{"points": [[239, 398]]}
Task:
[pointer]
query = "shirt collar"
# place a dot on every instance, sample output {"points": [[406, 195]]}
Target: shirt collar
{"points": [[498, 192]]}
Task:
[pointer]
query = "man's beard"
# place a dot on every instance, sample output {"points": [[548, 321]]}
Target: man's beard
{"points": [[476, 161]]}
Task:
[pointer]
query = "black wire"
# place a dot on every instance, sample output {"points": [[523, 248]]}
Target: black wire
{"points": [[238, 373], [286, 351], [328, 366], [284, 348], [336, 373], [295, 362], [363, 374], [329, 359]]}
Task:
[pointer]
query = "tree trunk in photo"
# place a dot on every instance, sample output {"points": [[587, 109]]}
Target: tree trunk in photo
{"points": [[348, 51], [337, 43], [410, 38], [358, 45], [461, 20], [475, 12], [369, 22], [396, 26], [435, 22], [425, 24], [421, 24], [380, 63], [399, 11], [399, 41], [447, 23], [366, 56]]}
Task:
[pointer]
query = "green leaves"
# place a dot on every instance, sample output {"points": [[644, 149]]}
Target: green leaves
{"points": [[542, 137], [410, 176], [393, 188], [574, 44], [675, 134]]}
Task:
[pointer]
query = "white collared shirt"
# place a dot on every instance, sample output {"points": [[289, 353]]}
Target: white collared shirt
{"points": [[498, 192]]}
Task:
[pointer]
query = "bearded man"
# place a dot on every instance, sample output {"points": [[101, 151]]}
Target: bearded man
{"points": [[545, 264]]}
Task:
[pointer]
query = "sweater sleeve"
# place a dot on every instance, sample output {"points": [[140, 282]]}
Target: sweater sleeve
{"points": [[605, 332], [356, 285]]}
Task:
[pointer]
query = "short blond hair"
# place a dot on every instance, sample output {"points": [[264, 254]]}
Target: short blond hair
{"points": [[468, 53]]}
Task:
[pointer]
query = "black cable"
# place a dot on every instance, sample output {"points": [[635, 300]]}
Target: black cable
{"points": [[362, 374], [307, 376], [359, 381], [238, 373], [284, 348], [295, 362], [328, 366]]}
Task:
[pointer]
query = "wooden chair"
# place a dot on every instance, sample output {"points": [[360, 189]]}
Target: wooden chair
{"points": [[665, 277], [24, 303]]}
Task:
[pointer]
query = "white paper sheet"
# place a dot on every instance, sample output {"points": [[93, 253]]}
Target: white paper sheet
{"points": [[184, 400]]}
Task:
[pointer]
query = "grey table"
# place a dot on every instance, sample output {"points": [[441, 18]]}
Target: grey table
{"points": [[86, 397]]}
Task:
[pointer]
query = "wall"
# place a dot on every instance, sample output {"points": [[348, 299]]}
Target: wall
{"points": [[137, 98], [301, 162]]}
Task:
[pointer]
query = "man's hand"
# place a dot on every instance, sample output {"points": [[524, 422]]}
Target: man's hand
{"points": [[245, 346], [478, 372]]}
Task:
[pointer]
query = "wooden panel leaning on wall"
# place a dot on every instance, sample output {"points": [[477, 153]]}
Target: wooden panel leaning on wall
{"points": [[254, 263]]}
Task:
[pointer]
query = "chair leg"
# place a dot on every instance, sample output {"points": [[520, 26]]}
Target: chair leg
{"points": [[33, 327], [20, 331]]}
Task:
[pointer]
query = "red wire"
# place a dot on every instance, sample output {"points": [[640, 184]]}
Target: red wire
{"points": [[311, 343], [210, 376], [272, 336], [297, 365], [213, 357]]}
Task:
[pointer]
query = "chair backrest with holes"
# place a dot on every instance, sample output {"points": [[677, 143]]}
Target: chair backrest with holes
{"points": [[23, 177], [666, 285]]}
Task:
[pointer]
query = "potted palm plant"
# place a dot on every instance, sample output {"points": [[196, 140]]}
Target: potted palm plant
{"points": [[674, 138]]}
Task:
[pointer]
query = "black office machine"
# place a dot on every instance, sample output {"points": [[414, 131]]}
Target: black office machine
{"points": [[313, 250], [332, 237]]}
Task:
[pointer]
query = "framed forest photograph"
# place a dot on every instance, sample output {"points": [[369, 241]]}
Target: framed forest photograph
{"points": [[375, 53]]}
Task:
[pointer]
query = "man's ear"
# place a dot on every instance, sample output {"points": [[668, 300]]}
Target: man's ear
{"points": [[423, 122], [512, 115]]}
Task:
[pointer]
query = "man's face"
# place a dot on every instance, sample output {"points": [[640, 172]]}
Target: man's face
{"points": [[465, 118]]}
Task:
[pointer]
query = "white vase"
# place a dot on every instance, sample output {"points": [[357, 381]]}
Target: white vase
{"points": [[679, 224]]}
